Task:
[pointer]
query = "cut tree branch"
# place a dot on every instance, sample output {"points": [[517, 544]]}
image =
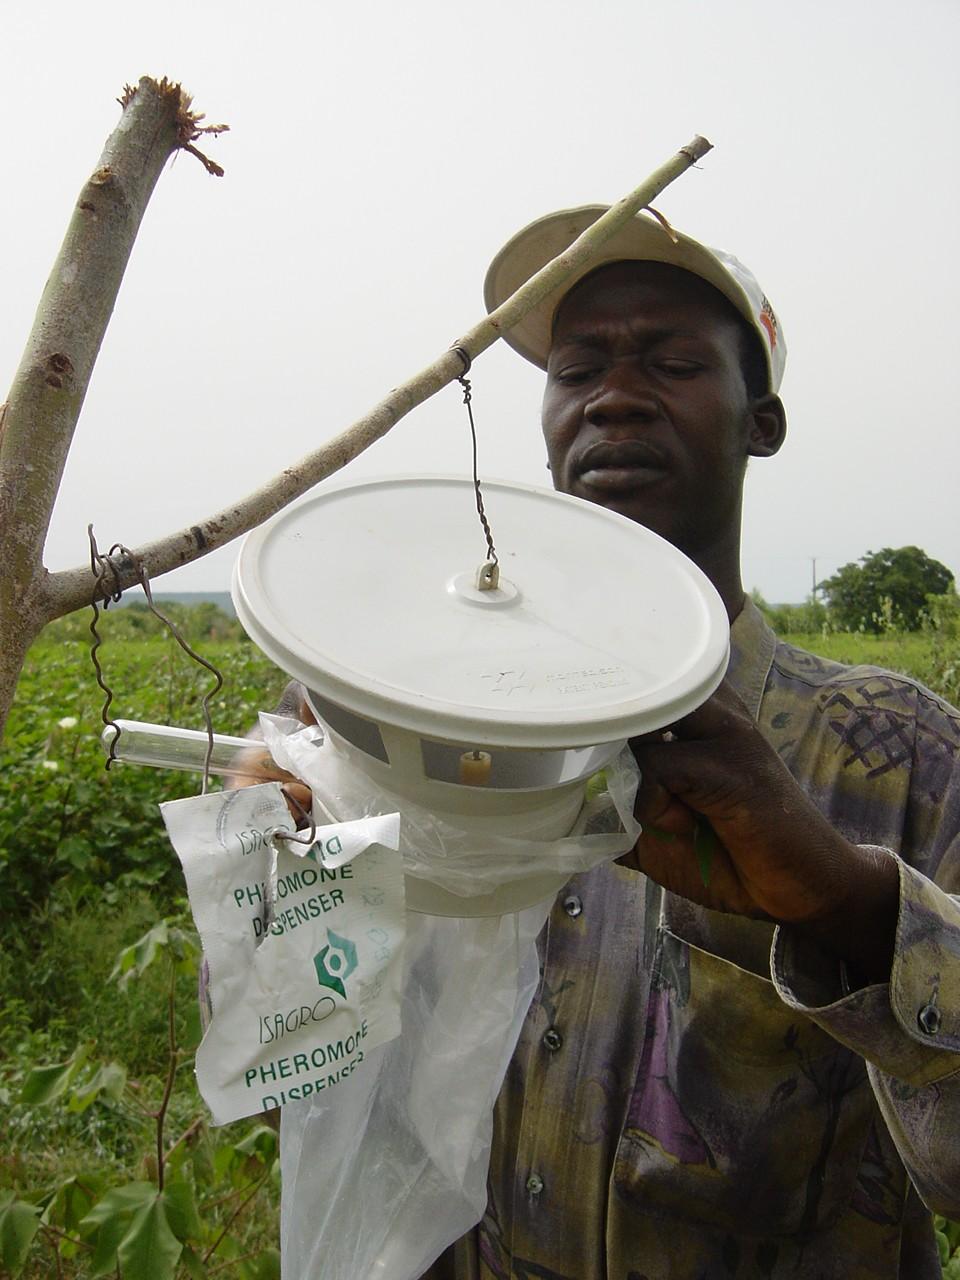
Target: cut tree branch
{"points": [[72, 588], [38, 421]]}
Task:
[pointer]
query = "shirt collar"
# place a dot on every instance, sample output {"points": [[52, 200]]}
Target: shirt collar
{"points": [[752, 646]]}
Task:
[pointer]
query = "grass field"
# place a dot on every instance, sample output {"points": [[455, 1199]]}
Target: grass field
{"points": [[921, 654], [86, 871]]}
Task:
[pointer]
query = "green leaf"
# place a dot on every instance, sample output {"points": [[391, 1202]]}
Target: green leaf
{"points": [[705, 844], [109, 1079], [46, 1084], [19, 1223], [260, 1142], [109, 1221], [192, 1263], [202, 1159], [180, 1204], [76, 851], [185, 945], [224, 1159], [149, 1250], [72, 1200], [943, 1247], [176, 1158], [126, 1199], [266, 1266], [104, 1259], [140, 955], [270, 1265], [228, 1249]]}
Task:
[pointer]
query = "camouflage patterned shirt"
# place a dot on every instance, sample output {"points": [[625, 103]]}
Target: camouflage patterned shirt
{"points": [[696, 1095]]}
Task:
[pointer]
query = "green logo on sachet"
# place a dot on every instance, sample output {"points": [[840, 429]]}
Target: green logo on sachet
{"points": [[336, 962]]}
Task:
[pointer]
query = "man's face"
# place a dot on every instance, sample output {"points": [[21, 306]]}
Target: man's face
{"points": [[646, 411]]}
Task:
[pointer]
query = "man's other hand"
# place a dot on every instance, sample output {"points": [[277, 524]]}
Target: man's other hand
{"points": [[727, 826]]}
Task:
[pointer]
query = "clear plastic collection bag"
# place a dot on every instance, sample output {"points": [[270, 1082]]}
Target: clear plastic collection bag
{"points": [[383, 1172], [381, 1177]]}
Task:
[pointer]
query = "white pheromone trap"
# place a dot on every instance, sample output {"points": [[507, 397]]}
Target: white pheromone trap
{"points": [[465, 709], [476, 712], [489, 708]]}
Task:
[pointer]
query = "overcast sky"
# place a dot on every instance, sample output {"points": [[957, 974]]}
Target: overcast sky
{"points": [[379, 155]]}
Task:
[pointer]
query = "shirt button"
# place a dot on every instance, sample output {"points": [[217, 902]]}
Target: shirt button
{"points": [[552, 1039], [534, 1184], [572, 906], [929, 1019]]}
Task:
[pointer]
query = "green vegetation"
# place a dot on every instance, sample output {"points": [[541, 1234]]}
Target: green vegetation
{"points": [[928, 656], [931, 654], [99, 1175], [948, 1242], [885, 586], [63, 817], [106, 1157]]}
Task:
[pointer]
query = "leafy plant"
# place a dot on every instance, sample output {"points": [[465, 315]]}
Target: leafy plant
{"points": [[183, 1212], [63, 817], [808, 618]]}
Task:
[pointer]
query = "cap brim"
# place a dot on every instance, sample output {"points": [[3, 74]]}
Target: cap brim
{"points": [[642, 239]]}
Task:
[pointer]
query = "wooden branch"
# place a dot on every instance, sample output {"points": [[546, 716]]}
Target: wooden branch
{"points": [[39, 419], [71, 589], [51, 383]]}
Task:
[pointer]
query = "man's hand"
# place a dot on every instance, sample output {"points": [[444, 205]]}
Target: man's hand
{"points": [[774, 855]]}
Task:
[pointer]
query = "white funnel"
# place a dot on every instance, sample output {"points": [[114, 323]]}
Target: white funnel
{"points": [[491, 708]]}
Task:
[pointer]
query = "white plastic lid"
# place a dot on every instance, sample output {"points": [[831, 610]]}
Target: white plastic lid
{"points": [[599, 629]]}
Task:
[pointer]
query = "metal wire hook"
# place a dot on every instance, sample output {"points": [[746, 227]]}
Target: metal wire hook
{"points": [[467, 359], [488, 576], [291, 836], [101, 565]]}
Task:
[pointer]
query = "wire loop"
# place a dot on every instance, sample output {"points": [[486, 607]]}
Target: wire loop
{"points": [[465, 356], [102, 566]]}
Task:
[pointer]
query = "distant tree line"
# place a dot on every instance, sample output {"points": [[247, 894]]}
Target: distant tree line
{"points": [[902, 588]]}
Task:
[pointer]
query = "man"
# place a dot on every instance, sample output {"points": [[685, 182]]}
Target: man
{"points": [[749, 1072]]}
